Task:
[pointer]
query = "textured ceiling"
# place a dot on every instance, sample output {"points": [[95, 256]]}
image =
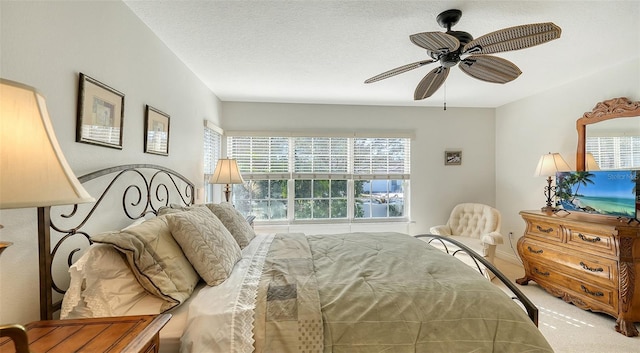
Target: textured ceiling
{"points": [[322, 51]]}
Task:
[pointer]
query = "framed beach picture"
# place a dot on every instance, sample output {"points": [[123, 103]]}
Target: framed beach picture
{"points": [[156, 132], [452, 157], [100, 113]]}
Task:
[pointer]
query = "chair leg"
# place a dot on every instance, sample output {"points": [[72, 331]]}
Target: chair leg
{"points": [[489, 252]]}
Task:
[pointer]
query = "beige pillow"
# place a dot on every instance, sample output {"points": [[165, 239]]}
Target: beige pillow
{"points": [[155, 259], [207, 244], [102, 284], [234, 221]]}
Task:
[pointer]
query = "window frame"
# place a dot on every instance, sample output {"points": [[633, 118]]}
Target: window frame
{"points": [[292, 175]]}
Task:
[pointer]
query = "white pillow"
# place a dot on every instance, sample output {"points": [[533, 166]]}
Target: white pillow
{"points": [[102, 284]]}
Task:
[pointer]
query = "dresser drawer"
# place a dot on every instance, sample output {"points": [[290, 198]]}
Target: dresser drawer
{"points": [[582, 265], [589, 295], [591, 241], [547, 230]]}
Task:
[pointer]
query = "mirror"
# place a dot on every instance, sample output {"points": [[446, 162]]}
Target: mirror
{"points": [[602, 115]]}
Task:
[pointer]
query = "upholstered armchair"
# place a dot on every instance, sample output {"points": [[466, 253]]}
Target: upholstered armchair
{"points": [[477, 225]]}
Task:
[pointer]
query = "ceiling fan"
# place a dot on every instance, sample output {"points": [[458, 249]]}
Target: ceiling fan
{"points": [[457, 47]]}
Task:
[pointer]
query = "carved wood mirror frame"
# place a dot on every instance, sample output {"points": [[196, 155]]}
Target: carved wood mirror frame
{"points": [[605, 110]]}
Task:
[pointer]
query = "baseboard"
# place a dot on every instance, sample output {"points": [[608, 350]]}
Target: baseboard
{"points": [[508, 256]]}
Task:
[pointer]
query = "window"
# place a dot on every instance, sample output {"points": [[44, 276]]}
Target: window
{"points": [[615, 152], [321, 178], [212, 148]]}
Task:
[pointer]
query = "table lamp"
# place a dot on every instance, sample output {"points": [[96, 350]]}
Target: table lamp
{"points": [[34, 170], [548, 165], [227, 173], [590, 162]]}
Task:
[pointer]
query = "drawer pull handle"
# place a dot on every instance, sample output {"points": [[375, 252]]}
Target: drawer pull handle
{"points": [[590, 240], [595, 294], [535, 251], [546, 274], [598, 269], [548, 230]]}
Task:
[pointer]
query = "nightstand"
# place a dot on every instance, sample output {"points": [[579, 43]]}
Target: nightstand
{"points": [[136, 334]]}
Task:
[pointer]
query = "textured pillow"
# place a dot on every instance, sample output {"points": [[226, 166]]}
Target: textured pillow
{"points": [[206, 242], [234, 221], [155, 259]]}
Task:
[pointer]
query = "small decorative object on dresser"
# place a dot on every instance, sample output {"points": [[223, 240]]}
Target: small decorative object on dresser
{"points": [[589, 260]]}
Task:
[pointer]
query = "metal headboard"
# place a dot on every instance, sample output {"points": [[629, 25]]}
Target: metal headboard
{"points": [[144, 188]]}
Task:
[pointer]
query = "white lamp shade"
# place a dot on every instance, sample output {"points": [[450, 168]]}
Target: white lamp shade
{"points": [[551, 163], [590, 162], [226, 172], [33, 170]]}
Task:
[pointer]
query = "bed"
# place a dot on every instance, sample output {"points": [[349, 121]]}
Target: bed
{"points": [[232, 290]]}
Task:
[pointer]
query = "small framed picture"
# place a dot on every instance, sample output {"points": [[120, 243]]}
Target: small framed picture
{"points": [[100, 114], [156, 132], [452, 157]]}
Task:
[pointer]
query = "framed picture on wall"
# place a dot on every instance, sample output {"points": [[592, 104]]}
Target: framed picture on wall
{"points": [[100, 113], [452, 157], [156, 131]]}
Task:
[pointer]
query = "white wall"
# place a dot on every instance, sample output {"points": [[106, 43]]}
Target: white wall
{"points": [[544, 123], [435, 188], [46, 45]]}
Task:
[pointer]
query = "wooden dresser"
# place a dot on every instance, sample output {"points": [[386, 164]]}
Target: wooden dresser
{"points": [[588, 260]]}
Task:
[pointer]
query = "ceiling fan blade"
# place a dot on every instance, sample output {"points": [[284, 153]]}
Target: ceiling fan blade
{"points": [[438, 42], [431, 82], [398, 70], [490, 68], [513, 38]]}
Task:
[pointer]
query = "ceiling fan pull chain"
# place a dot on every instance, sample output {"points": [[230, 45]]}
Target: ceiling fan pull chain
{"points": [[445, 96]]}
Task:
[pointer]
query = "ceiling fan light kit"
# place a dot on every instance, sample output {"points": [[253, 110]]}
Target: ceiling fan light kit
{"points": [[472, 55]]}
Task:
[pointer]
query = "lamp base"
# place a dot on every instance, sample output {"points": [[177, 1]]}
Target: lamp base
{"points": [[549, 209], [227, 192]]}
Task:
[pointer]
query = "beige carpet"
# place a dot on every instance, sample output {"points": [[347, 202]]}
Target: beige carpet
{"points": [[568, 328]]}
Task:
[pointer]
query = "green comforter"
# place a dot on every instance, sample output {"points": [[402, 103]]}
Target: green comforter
{"points": [[382, 292]]}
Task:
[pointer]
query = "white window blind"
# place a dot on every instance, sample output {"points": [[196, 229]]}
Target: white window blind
{"points": [[320, 157], [260, 157], [212, 151], [375, 157], [615, 152]]}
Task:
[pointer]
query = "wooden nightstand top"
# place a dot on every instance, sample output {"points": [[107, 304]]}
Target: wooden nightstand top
{"points": [[109, 334]]}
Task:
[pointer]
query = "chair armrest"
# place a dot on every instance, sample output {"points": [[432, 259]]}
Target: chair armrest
{"points": [[493, 238], [440, 230]]}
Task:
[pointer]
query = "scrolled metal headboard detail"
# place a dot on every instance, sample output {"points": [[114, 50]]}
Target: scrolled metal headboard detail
{"points": [[145, 188]]}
